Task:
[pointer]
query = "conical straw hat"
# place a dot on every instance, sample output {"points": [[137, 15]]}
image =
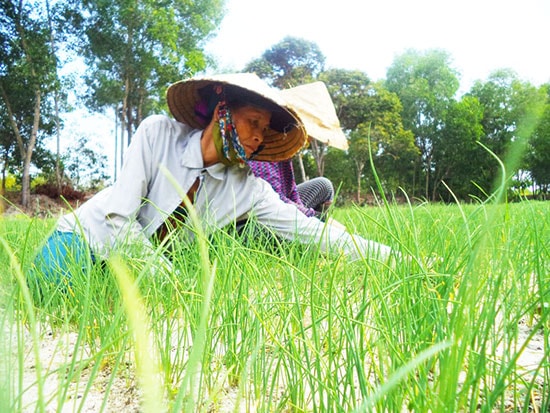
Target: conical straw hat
{"points": [[315, 108], [187, 100]]}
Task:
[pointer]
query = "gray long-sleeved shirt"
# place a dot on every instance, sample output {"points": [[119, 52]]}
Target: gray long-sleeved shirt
{"points": [[164, 151]]}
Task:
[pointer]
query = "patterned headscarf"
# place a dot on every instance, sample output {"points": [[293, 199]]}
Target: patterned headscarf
{"points": [[231, 145]]}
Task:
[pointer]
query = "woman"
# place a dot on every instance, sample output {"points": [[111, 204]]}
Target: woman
{"points": [[220, 123], [313, 197], [314, 106]]}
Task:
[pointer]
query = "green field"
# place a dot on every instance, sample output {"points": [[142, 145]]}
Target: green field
{"points": [[462, 326]]}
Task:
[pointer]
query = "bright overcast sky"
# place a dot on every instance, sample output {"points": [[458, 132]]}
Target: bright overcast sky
{"points": [[480, 35]]}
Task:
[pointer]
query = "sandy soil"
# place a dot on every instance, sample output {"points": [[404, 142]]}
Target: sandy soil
{"points": [[55, 356], [56, 353]]}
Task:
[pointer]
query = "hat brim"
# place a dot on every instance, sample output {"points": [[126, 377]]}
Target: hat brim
{"points": [[286, 135]]}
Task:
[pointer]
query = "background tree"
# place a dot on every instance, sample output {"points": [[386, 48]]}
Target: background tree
{"points": [[84, 166], [359, 152], [457, 154], [394, 151], [11, 162], [369, 112], [538, 155], [7, 146], [27, 78], [349, 91], [135, 49], [426, 85], [289, 63], [57, 97], [507, 102], [339, 168]]}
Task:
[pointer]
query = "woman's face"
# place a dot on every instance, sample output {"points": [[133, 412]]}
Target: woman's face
{"points": [[251, 123]]}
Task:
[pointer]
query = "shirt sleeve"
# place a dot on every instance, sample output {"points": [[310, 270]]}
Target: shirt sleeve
{"points": [[126, 213], [310, 212], [136, 170], [120, 206], [288, 222]]}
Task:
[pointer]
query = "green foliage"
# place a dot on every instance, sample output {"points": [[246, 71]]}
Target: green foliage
{"points": [[84, 166], [349, 92], [393, 148], [423, 138], [457, 157], [10, 183], [370, 113], [136, 49], [28, 78], [289, 63], [337, 169], [39, 180], [510, 108], [426, 85], [425, 82], [538, 156], [500, 97]]}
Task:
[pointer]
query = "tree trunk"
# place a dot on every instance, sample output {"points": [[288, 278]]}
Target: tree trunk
{"points": [[26, 185], [27, 155], [318, 150], [115, 172], [302, 169], [58, 176], [358, 188], [415, 171], [4, 173], [129, 123], [359, 167], [123, 123], [3, 188], [427, 182], [26, 151], [122, 144], [428, 175]]}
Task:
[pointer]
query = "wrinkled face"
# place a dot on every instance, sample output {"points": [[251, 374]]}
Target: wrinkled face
{"points": [[251, 123]]}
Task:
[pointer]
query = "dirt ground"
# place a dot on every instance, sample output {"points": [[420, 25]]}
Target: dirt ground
{"points": [[56, 351], [41, 206]]}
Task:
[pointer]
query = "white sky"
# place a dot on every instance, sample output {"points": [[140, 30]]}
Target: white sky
{"points": [[480, 35]]}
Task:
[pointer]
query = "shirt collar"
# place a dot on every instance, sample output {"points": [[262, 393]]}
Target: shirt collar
{"points": [[192, 157], [192, 154], [217, 170]]}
